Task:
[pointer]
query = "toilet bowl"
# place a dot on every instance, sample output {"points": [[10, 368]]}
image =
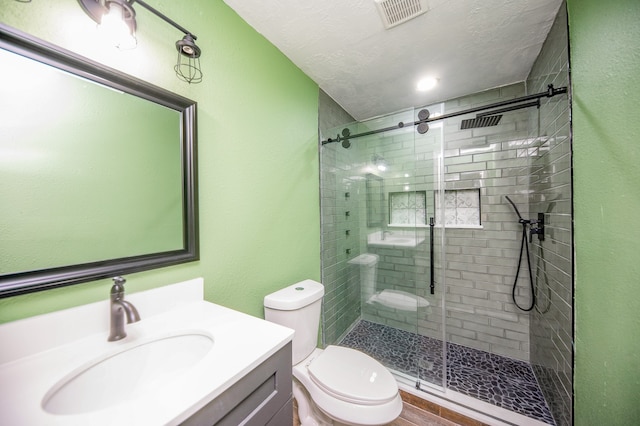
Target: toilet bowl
{"points": [[336, 385], [349, 386]]}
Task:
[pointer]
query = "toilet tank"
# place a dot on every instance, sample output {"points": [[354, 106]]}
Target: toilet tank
{"points": [[297, 307]]}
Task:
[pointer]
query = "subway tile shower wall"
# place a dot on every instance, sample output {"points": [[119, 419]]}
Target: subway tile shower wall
{"points": [[550, 174], [412, 160], [481, 263], [341, 306]]}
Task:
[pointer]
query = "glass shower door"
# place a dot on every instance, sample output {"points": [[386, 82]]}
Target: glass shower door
{"points": [[430, 339], [390, 179]]}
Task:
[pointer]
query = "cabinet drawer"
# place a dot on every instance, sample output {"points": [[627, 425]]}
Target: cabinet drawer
{"points": [[255, 399]]}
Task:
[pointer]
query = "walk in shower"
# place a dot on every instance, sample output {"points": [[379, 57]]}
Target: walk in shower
{"points": [[422, 232]]}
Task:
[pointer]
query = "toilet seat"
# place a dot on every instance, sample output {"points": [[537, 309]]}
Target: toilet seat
{"points": [[342, 408], [352, 376]]}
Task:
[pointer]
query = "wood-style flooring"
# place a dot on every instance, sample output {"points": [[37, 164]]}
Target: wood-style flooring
{"points": [[419, 412]]}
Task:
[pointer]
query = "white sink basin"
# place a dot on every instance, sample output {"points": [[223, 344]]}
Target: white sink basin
{"points": [[395, 239], [126, 373], [401, 240]]}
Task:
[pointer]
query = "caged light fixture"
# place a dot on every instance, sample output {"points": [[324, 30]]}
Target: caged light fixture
{"points": [[188, 65], [117, 19]]}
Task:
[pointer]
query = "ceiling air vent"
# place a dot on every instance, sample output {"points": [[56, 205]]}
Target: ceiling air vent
{"points": [[396, 12]]}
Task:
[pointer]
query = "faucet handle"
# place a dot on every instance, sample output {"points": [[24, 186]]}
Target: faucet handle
{"points": [[117, 289]]}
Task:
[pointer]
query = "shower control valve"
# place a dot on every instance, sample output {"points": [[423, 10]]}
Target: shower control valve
{"points": [[538, 229]]}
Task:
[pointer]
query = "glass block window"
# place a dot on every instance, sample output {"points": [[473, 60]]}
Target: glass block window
{"points": [[461, 208], [408, 208]]}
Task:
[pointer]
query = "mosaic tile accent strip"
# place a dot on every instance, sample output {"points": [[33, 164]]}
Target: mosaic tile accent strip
{"points": [[501, 381]]}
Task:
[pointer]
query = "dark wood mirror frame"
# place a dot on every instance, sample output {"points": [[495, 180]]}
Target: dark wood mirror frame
{"points": [[12, 284]]}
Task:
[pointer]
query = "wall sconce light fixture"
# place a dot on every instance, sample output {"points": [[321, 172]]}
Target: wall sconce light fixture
{"points": [[188, 65], [118, 24], [117, 19]]}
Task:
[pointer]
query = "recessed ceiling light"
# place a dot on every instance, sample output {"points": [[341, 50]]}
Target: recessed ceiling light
{"points": [[427, 83]]}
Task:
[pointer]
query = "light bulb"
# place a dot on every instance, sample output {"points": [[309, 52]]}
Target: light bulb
{"points": [[115, 29]]}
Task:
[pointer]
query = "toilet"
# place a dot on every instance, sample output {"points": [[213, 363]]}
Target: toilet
{"points": [[337, 385], [368, 264]]}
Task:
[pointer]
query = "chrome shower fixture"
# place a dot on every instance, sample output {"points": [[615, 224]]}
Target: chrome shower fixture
{"points": [[118, 19]]}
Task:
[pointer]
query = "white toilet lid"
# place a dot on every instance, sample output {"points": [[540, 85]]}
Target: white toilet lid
{"points": [[352, 376]]}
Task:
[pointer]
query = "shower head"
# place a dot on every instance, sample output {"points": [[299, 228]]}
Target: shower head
{"points": [[480, 121], [492, 118]]}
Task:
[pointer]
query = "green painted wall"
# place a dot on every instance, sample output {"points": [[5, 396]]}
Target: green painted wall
{"points": [[605, 61], [258, 157]]}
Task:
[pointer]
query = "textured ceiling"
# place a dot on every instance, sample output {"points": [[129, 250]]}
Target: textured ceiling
{"points": [[469, 45]]}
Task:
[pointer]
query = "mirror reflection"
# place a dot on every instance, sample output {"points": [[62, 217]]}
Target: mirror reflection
{"points": [[375, 200], [91, 176]]}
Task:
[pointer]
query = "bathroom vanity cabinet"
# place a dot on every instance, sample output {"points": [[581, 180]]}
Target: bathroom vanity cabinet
{"points": [[186, 362], [262, 397]]}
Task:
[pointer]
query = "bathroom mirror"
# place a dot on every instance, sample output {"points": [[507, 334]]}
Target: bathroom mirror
{"points": [[375, 200], [97, 170]]}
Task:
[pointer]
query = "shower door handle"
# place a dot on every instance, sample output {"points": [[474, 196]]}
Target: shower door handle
{"points": [[432, 282]]}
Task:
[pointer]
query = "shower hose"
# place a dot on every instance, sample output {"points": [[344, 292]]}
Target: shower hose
{"points": [[524, 245]]}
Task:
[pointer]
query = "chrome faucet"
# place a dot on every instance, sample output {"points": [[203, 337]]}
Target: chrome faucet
{"points": [[384, 234], [120, 308]]}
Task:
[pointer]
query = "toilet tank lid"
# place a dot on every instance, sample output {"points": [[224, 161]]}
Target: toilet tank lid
{"points": [[295, 296]]}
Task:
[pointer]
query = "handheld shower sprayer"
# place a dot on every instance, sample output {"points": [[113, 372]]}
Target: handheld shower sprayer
{"points": [[514, 207], [539, 230]]}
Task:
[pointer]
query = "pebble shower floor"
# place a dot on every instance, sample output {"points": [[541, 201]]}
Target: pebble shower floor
{"points": [[501, 381]]}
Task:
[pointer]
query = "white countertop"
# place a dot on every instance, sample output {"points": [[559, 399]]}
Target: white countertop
{"points": [[38, 352]]}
